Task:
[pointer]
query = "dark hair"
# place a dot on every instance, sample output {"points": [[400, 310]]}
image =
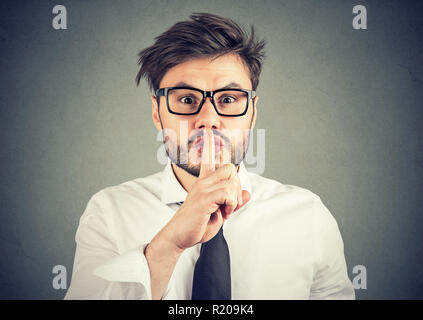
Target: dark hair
{"points": [[205, 35]]}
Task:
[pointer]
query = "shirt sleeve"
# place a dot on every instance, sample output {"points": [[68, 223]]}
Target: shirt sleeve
{"points": [[100, 271], [331, 277]]}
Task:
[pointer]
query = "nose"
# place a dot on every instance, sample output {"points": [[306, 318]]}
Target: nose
{"points": [[208, 117]]}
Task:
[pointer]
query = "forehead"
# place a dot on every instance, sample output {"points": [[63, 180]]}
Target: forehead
{"points": [[209, 74]]}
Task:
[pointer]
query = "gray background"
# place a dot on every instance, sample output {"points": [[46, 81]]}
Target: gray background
{"points": [[341, 109]]}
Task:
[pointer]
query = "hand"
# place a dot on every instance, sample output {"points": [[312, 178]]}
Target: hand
{"points": [[213, 198]]}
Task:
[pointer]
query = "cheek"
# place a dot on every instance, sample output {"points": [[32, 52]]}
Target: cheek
{"points": [[236, 133], [183, 129], [238, 126], [179, 127]]}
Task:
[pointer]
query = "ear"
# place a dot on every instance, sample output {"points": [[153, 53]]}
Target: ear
{"points": [[155, 113], [253, 121]]}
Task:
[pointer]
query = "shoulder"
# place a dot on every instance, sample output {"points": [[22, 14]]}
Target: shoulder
{"points": [[146, 185], [125, 193], [291, 199], [266, 188]]}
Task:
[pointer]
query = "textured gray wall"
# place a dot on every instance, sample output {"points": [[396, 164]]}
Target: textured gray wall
{"points": [[341, 109]]}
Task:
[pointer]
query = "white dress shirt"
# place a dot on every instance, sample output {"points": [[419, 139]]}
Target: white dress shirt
{"points": [[284, 243]]}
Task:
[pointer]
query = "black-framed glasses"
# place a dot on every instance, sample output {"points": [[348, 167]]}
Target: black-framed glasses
{"points": [[189, 101]]}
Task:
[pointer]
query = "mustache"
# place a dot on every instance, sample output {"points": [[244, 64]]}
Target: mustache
{"points": [[200, 133]]}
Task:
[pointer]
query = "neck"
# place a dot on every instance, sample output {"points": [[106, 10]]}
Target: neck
{"points": [[185, 179]]}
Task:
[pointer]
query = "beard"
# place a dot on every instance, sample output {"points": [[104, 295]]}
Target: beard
{"points": [[181, 155]]}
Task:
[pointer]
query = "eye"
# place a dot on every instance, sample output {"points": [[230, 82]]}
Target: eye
{"points": [[228, 99], [187, 100]]}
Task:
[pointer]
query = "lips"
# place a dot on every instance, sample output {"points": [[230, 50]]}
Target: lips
{"points": [[199, 142]]}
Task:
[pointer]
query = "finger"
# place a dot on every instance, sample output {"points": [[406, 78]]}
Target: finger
{"points": [[215, 217], [207, 154], [240, 197], [225, 198], [229, 206], [225, 172], [225, 216], [232, 186], [239, 190], [245, 198], [233, 183], [227, 210]]}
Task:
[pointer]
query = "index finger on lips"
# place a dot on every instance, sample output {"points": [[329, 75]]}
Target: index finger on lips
{"points": [[207, 166]]}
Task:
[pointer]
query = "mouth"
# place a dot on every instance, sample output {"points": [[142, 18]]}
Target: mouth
{"points": [[199, 142]]}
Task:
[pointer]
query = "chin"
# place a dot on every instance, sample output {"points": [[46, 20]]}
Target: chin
{"points": [[193, 170]]}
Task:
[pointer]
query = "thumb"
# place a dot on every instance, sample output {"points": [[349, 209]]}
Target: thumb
{"points": [[246, 196]]}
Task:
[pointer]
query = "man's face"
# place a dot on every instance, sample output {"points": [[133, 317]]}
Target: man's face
{"points": [[183, 134]]}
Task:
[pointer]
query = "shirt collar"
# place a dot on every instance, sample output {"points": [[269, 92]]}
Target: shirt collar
{"points": [[173, 192]]}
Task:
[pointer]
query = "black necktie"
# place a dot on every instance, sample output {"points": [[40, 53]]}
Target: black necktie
{"points": [[212, 272]]}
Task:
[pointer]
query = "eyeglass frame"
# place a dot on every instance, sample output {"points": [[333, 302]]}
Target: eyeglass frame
{"points": [[163, 92]]}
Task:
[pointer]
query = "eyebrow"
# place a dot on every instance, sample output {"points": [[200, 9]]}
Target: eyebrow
{"points": [[231, 85]]}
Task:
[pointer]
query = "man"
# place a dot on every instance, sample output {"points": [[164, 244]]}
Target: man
{"points": [[205, 228]]}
